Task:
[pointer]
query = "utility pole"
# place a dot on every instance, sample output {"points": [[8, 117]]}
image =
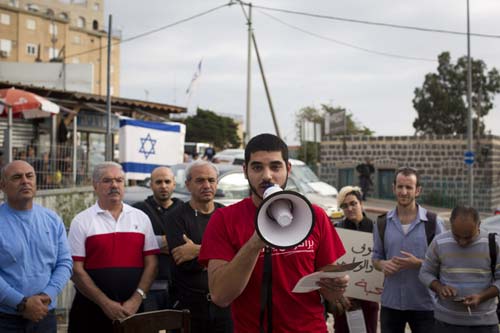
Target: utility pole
{"points": [[249, 76], [266, 88], [252, 39], [109, 147], [469, 153]]}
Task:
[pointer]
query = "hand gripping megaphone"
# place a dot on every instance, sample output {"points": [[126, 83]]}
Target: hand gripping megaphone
{"points": [[284, 219]]}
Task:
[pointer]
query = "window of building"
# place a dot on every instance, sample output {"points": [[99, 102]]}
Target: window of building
{"points": [[53, 53], [52, 28], [32, 7], [5, 19], [64, 16], [80, 22], [96, 6], [95, 25], [30, 24], [31, 49], [49, 12], [5, 47]]}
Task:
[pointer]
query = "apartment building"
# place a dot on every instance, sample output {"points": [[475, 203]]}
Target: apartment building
{"points": [[72, 31]]}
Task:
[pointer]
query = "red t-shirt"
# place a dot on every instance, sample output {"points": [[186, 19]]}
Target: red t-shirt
{"points": [[231, 227]]}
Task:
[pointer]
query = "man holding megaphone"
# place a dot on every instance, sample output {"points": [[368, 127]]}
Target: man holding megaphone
{"points": [[258, 249]]}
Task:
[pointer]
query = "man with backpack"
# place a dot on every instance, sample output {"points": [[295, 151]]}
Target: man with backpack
{"points": [[400, 240], [157, 207], [461, 266]]}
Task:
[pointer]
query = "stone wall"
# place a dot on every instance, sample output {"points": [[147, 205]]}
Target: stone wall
{"points": [[439, 159], [65, 202]]}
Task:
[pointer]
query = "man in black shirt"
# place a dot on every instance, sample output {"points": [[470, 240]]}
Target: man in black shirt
{"points": [[184, 235], [365, 171], [157, 207]]}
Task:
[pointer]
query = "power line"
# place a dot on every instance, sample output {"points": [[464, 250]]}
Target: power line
{"points": [[390, 25], [386, 54], [150, 32]]}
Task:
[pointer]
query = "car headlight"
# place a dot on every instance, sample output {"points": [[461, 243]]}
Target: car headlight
{"points": [[332, 212]]}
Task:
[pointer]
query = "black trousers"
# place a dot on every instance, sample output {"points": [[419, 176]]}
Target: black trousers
{"points": [[394, 321], [17, 324], [87, 317], [442, 327], [206, 317]]}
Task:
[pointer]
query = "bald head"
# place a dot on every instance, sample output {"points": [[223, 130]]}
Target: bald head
{"points": [[163, 185], [162, 170], [18, 183]]}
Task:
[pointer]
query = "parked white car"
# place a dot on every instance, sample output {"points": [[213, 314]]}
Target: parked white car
{"points": [[317, 191], [491, 224]]}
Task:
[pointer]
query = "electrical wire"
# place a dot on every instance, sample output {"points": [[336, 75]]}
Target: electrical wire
{"points": [[150, 32], [386, 54], [390, 25]]}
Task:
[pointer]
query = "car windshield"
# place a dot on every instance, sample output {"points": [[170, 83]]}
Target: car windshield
{"points": [[180, 178], [304, 173], [234, 186], [231, 185]]}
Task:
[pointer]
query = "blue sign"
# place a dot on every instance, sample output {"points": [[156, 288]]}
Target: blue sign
{"points": [[469, 157]]}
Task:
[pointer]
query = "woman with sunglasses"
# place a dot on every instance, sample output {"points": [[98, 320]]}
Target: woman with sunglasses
{"points": [[350, 200]]}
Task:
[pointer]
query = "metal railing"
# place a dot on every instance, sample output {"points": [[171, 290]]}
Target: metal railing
{"points": [[57, 167]]}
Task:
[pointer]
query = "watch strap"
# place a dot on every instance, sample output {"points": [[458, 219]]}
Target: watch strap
{"points": [[141, 292]]}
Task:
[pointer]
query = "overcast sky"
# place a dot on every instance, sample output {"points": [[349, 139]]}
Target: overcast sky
{"points": [[302, 69]]}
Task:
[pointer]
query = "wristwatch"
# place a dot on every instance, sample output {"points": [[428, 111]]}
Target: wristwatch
{"points": [[141, 292], [22, 305]]}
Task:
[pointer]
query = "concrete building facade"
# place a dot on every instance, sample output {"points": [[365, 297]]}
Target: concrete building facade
{"points": [[439, 159], [51, 30]]}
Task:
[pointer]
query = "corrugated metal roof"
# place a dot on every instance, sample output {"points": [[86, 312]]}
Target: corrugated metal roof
{"points": [[73, 96]]}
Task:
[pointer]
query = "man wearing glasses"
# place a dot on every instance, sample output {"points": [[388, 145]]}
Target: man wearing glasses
{"points": [[114, 252], [400, 240]]}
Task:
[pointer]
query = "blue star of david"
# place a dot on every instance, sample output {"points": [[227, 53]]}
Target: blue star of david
{"points": [[147, 143]]}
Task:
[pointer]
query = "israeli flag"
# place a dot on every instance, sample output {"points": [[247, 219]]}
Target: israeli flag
{"points": [[145, 145]]}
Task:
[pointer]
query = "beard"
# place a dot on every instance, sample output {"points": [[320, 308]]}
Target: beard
{"points": [[254, 190]]}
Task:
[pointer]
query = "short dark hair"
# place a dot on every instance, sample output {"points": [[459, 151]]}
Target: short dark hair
{"points": [[407, 171], [466, 212], [266, 142]]}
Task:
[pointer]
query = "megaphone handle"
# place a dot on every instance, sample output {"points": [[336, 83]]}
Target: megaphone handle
{"points": [[266, 293]]}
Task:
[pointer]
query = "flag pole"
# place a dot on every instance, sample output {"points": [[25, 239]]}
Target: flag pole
{"points": [[109, 155]]}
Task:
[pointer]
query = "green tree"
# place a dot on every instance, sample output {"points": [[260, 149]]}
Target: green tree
{"points": [[441, 102], [207, 126]]}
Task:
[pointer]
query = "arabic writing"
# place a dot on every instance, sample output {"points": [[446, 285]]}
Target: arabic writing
{"points": [[366, 282], [362, 254], [363, 284]]}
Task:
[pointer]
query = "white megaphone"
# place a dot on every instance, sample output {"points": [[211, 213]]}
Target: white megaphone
{"points": [[284, 219]]}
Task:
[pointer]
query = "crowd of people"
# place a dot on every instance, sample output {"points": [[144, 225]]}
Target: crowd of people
{"points": [[198, 255]]}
